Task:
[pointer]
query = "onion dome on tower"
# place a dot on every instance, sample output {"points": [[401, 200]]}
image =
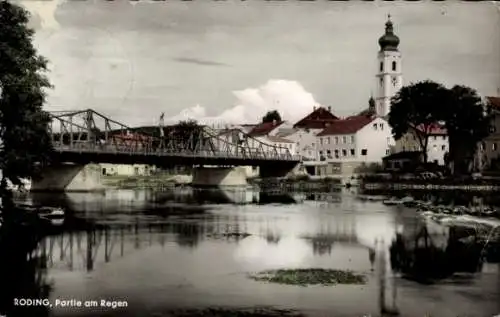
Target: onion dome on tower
{"points": [[389, 41]]}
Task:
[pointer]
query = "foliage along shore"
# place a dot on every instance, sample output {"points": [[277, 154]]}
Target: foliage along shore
{"points": [[469, 183]]}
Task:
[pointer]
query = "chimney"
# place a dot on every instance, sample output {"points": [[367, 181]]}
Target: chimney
{"points": [[329, 109], [314, 108], [274, 122]]}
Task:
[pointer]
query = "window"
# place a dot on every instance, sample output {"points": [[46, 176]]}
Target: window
{"points": [[434, 138], [374, 126], [381, 66], [344, 152], [387, 152], [443, 147], [388, 140], [329, 154], [381, 126], [344, 139], [381, 81], [444, 137], [352, 138], [321, 141], [353, 152], [328, 140], [364, 152], [494, 146], [336, 153], [320, 153], [393, 66], [394, 81], [336, 140]]}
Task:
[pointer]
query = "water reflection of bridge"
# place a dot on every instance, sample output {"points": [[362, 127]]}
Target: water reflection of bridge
{"points": [[84, 250], [140, 199]]}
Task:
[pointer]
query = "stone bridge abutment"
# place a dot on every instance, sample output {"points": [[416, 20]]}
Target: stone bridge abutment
{"points": [[70, 178]]}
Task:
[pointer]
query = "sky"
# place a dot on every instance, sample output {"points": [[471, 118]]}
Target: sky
{"points": [[232, 61]]}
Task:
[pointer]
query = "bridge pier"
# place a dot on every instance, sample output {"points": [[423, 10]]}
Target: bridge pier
{"points": [[219, 176], [277, 170], [69, 178]]}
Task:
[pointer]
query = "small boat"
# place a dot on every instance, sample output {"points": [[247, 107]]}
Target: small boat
{"points": [[51, 213], [54, 215]]}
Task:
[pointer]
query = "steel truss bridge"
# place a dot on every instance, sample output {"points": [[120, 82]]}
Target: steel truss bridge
{"points": [[86, 136]]}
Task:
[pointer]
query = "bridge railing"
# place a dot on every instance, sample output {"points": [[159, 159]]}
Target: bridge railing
{"points": [[240, 153]]}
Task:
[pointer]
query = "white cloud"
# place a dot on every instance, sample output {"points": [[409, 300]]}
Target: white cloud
{"points": [[46, 10], [288, 97]]}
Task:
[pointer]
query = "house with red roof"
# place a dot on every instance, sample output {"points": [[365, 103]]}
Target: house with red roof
{"points": [[303, 132], [437, 147], [267, 133], [346, 144]]}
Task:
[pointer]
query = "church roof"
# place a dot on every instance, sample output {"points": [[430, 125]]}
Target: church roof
{"points": [[264, 128], [389, 41], [349, 125], [318, 119]]}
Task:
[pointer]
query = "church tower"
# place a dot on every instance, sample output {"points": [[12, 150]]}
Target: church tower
{"points": [[389, 76]]}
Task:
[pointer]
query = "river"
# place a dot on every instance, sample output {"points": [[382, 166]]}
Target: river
{"points": [[158, 251]]}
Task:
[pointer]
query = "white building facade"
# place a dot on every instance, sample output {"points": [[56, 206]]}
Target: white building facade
{"points": [[437, 146], [363, 140]]}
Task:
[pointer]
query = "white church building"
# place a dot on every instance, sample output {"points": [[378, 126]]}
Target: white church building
{"points": [[364, 139]]}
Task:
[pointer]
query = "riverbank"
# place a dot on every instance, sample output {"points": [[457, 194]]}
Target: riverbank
{"points": [[143, 181], [398, 182], [294, 183], [299, 183], [409, 186]]}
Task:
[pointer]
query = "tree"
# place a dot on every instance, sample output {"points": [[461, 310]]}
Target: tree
{"points": [[467, 119], [271, 116], [186, 136], [25, 140], [414, 110]]}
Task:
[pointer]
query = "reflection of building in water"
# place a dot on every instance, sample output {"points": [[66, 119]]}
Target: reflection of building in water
{"points": [[341, 230], [113, 200], [425, 231], [270, 232], [325, 197], [236, 195]]}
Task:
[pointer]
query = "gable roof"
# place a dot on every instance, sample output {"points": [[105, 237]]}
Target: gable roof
{"points": [[264, 128], [317, 119], [278, 139], [435, 129], [494, 102], [349, 125]]}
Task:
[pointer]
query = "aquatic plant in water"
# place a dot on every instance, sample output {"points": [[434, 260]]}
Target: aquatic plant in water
{"points": [[305, 277]]}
